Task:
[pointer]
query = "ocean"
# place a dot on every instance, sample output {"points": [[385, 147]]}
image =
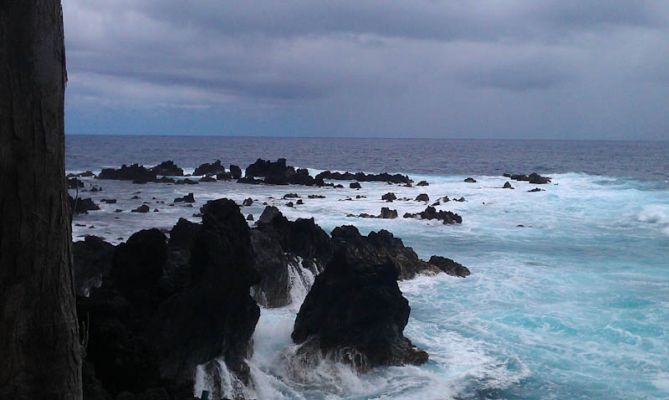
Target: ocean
{"points": [[569, 292]]}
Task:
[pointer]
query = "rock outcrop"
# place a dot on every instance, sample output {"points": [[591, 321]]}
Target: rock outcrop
{"points": [[447, 217], [214, 168], [92, 260], [449, 266], [355, 313], [167, 168], [158, 316], [81, 206], [363, 177], [135, 173]]}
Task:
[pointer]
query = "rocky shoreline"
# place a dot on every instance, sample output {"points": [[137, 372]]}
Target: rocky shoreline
{"points": [[163, 304]]}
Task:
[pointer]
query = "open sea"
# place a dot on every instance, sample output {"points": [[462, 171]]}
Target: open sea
{"points": [[569, 292]]}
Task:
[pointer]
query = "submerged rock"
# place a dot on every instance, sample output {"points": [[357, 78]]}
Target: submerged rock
{"points": [[470, 180], [189, 198], [447, 217], [390, 196]]}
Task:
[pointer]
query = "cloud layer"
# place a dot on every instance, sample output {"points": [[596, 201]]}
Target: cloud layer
{"points": [[550, 69]]}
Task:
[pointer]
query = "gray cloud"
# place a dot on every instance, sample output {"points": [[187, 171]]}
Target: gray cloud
{"points": [[423, 68]]}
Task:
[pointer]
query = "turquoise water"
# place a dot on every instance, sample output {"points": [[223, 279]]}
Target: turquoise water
{"points": [[573, 305]]}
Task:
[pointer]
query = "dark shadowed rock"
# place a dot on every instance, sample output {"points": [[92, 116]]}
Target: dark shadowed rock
{"points": [[390, 196], [423, 197], [470, 180], [108, 201], [209, 169], [537, 179], [189, 198], [208, 179], [362, 177], [186, 181], [249, 217], [423, 183], [167, 168], [92, 260], [356, 314], [235, 171], [135, 173], [449, 266], [447, 217], [247, 202], [354, 185], [142, 209], [74, 183], [507, 185], [535, 190], [81, 206]]}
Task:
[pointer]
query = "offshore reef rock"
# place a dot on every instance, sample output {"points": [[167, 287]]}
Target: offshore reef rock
{"points": [[92, 259], [135, 173], [389, 197], [278, 173], [362, 177], [507, 185], [422, 197], [167, 168], [532, 178], [356, 314], [470, 180], [189, 198], [81, 206], [214, 168], [169, 306], [449, 266], [447, 217], [235, 171], [386, 213]]}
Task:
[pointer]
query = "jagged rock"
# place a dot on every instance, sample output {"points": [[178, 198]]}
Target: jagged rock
{"points": [[316, 196], [507, 185], [250, 180], [209, 169], [355, 312], [189, 198], [535, 190], [386, 213], [108, 201], [390, 196], [537, 179], [354, 185], [278, 173], [422, 183], [81, 206], [461, 199], [449, 266], [92, 261], [422, 197], [249, 217], [142, 209], [235, 171], [167, 168], [151, 323], [85, 174], [290, 196], [247, 202], [470, 180], [299, 202], [290, 204], [447, 217], [135, 173], [224, 176]]}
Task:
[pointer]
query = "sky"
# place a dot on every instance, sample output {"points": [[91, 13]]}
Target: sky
{"points": [[553, 69]]}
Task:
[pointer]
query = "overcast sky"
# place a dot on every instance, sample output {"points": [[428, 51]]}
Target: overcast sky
{"points": [[453, 69]]}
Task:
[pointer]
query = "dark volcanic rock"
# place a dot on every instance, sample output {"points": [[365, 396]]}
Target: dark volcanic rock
{"points": [[108, 201], [141, 209], [355, 313], [249, 217], [170, 306], [386, 213], [209, 169], [81, 206], [362, 177], [92, 259], [449, 266], [135, 173], [278, 173], [189, 198], [235, 171], [422, 183], [507, 185], [470, 180], [447, 217], [250, 180], [354, 185], [390, 196], [535, 190], [167, 168], [185, 182], [247, 202], [423, 197], [537, 179]]}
